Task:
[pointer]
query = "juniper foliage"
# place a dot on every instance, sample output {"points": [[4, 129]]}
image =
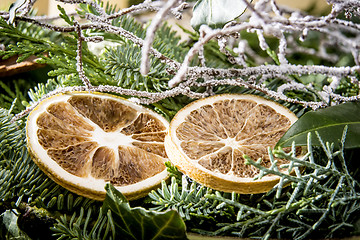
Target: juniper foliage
{"points": [[323, 201]]}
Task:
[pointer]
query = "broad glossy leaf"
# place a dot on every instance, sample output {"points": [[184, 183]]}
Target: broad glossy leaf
{"points": [[9, 228], [141, 224], [216, 13], [329, 123]]}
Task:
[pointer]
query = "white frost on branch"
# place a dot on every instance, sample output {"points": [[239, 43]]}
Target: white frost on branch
{"points": [[265, 18], [150, 35]]}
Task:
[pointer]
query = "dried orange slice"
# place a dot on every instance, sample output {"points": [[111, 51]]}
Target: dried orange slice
{"points": [[207, 140], [84, 140]]}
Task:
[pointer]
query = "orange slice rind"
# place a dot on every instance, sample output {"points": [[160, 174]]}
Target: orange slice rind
{"points": [[84, 140], [207, 140]]}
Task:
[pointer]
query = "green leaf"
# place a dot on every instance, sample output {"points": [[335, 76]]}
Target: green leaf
{"points": [[329, 123], [216, 13], [138, 223], [9, 228]]}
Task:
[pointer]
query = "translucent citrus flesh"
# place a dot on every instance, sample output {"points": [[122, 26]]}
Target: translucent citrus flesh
{"points": [[213, 135], [94, 139]]}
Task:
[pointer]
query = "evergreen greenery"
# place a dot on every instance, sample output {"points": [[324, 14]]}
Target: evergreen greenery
{"points": [[324, 193], [323, 201]]}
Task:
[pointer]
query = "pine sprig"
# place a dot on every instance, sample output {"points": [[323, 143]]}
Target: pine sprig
{"points": [[61, 56], [22, 182], [191, 202], [188, 201], [42, 89], [25, 31], [13, 95], [84, 225], [314, 203], [324, 195], [123, 64], [14, 155]]}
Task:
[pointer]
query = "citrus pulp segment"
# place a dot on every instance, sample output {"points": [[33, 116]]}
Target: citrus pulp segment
{"points": [[84, 140], [207, 140]]}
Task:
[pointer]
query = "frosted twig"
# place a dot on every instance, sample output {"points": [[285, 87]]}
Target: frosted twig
{"points": [[201, 56], [45, 18], [150, 34], [233, 60], [240, 50], [46, 25], [26, 8], [177, 12], [52, 93], [144, 97], [104, 27], [321, 52], [140, 42], [274, 70], [195, 49], [148, 5], [282, 50], [251, 70], [275, 8], [79, 64], [255, 10], [268, 92]]}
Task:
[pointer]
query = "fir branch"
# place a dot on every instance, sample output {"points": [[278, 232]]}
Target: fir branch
{"points": [[189, 202], [321, 194], [123, 63], [14, 96], [84, 227], [24, 184]]}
